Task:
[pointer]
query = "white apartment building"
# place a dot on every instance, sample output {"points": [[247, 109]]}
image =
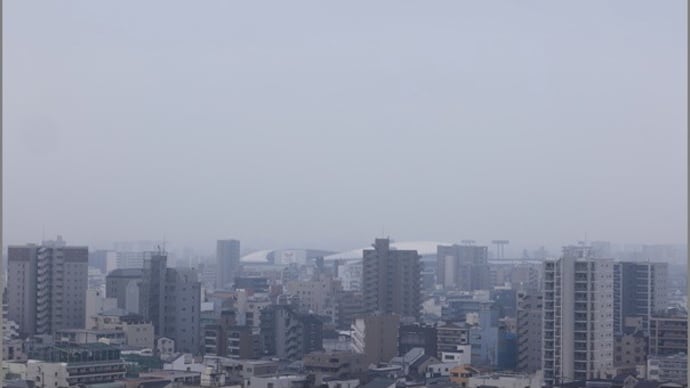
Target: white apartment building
{"points": [[577, 336]]}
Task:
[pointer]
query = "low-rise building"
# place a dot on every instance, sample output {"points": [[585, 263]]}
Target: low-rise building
{"points": [[90, 336], [335, 364], [629, 349], [672, 368], [417, 336], [252, 368], [279, 381], [668, 335], [137, 331], [461, 374], [506, 380], [451, 339], [79, 364], [165, 346]]}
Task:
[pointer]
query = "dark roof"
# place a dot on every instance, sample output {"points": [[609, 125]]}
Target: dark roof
{"points": [[379, 383]]}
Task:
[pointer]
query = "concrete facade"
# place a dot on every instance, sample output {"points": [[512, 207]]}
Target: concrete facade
{"points": [[529, 326], [577, 336], [317, 296], [290, 335], [46, 286], [391, 280], [168, 298], [376, 336], [668, 335]]}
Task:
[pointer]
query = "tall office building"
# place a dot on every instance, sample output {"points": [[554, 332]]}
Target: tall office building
{"points": [[577, 336], [170, 298], [391, 280], [227, 262], [639, 291], [46, 286], [463, 267]]}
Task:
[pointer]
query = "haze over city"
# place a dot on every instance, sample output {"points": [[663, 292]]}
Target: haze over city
{"points": [[323, 125], [447, 194]]}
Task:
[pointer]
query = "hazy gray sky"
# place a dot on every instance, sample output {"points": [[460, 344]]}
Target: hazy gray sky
{"points": [[319, 123]]}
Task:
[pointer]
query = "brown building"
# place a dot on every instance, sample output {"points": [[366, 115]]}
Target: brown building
{"points": [[460, 375], [242, 343], [376, 336], [391, 280], [629, 349]]}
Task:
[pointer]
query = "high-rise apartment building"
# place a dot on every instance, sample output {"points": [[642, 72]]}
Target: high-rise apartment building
{"points": [[46, 286], [391, 280], [167, 297], [577, 336], [463, 267], [529, 326], [639, 291], [227, 262]]}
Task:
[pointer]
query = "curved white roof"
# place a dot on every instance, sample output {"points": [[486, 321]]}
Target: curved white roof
{"points": [[424, 248], [260, 257], [256, 257]]}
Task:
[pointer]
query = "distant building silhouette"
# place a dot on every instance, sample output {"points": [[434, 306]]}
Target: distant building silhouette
{"points": [[463, 267], [227, 262]]}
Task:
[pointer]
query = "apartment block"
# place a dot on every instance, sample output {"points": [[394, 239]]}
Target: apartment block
{"points": [[391, 280], [529, 330], [46, 286], [577, 336]]}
